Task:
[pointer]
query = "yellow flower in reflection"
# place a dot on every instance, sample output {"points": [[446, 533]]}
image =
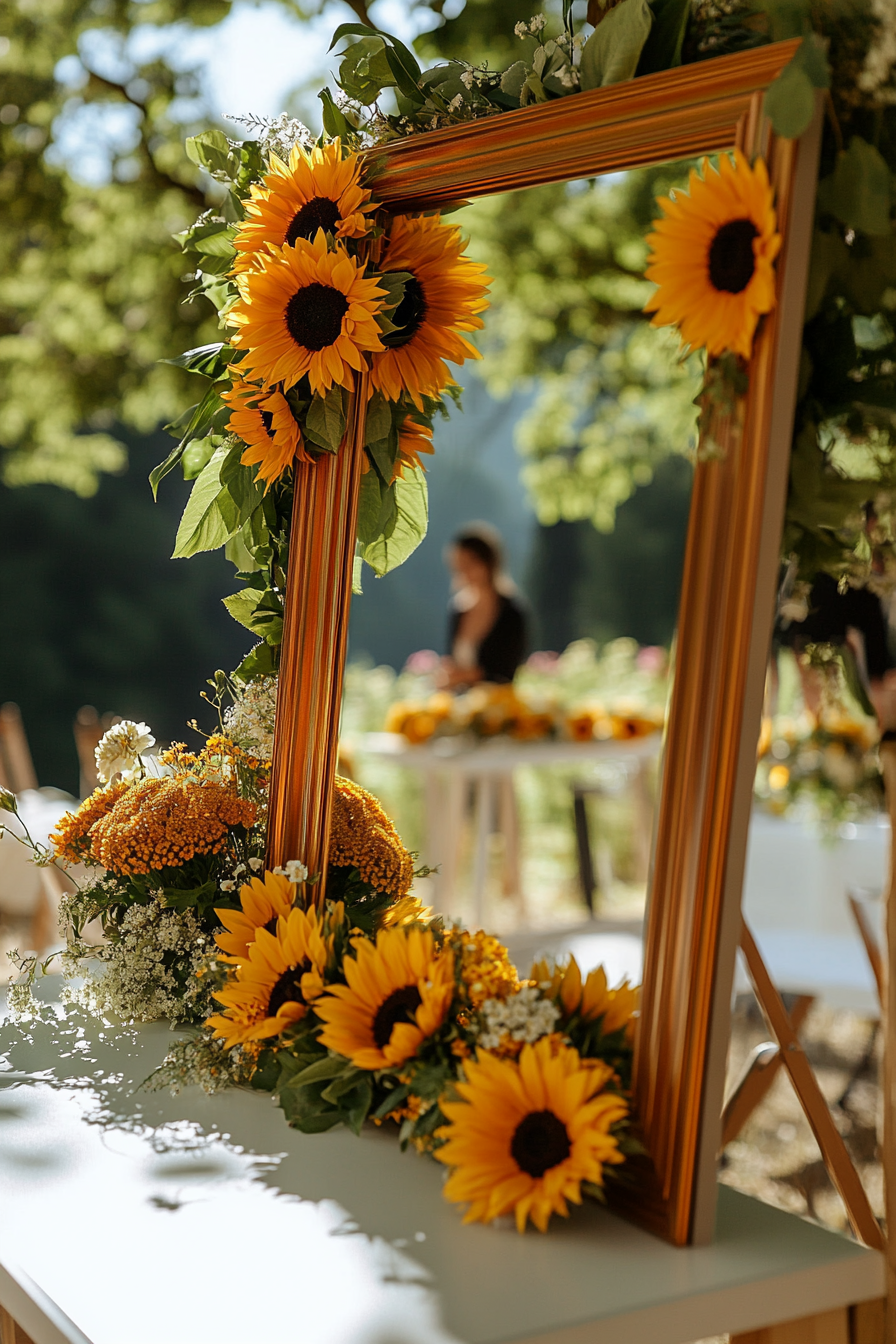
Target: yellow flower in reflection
{"points": [[528, 1133], [590, 1001]]}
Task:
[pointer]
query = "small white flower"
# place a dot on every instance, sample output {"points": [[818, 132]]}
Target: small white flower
{"points": [[240, 868], [536, 23], [456, 103], [567, 78], [467, 79], [296, 870], [227, 885], [256, 864], [119, 749], [521, 29]]}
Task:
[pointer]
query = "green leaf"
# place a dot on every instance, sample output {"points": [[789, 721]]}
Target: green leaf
{"points": [[378, 424], [365, 70], [158, 474], [393, 1099], [412, 69], [331, 1066], [402, 77], [859, 190], [203, 526], [613, 50], [662, 50], [358, 1104], [325, 422], [789, 101], [197, 455], [377, 509], [209, 360], [258, 662], [335, 121], [211, 150], [513, 79], [411, 520], [243, 607]]}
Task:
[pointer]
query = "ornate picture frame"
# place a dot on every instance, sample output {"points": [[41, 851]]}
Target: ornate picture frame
{"points": [[727, 599]]}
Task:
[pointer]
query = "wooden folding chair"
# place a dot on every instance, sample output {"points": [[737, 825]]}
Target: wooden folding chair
{"points": [[88, 729], [16, 766]]}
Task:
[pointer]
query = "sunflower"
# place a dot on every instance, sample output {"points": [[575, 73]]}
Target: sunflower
{"points": [[590, 1001], [280, 975], [263, 903], [712, 256], [413, 439], [528, 1133], [306, 310], [442, 298], [264, 421], [398, 993], [314, 190]]}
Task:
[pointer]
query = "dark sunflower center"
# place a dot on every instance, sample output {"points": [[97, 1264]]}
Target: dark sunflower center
{"points": [[319, 213], [409, 314], [540, 1141], [399, 1007], [288, 989], [731, 259], [267, 420], [314, 315]]}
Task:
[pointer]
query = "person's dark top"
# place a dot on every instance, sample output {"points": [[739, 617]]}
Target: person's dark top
{"points": [[504, 647], [832, 613]]}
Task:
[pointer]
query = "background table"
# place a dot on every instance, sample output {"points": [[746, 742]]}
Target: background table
{"points": [[453, 768], [140, 1218]]}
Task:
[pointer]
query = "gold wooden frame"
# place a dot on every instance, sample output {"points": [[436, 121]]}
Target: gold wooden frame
{"points": [[727, 601]]}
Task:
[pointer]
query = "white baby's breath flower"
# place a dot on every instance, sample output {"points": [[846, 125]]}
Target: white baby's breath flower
{"points": [[256, 864], [467, 79], [227, 885], [536, 23], [525, 1016], [296, 870], [456, 103], [119, 750], [521, 29]]}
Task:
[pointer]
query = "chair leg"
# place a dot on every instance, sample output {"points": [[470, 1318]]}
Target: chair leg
{"points": [[583, 844]]}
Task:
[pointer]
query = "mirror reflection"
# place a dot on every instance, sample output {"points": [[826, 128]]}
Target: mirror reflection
{"points": [[506, 688]]}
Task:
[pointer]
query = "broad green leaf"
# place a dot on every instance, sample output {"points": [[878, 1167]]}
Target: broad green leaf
{"points": [[378, 424], [365, 70], [402, 78], [158, 474], [364, 30], [322, 1070], [259, 662], [376, 508], [203, 526], [411, 520], [513, 79], [812, 57], [325, 424], [613, 50], [243, 606], [662, 50], [211, 150], [789, 101], [859, 191]]}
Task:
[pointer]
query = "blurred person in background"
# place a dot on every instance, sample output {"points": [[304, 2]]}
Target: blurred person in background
{"points": [[487, 620]]}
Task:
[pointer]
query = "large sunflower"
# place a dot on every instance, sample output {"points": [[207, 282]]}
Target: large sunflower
{"points": [[314, 190], [712, 256], [528, 1133], [280, 975], [442, 298], [263, 903], [306, 310], [263, 419], [398, 993]]}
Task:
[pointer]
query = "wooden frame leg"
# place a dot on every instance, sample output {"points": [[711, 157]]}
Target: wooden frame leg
{"points": [[830, 1327], [10, 1332], [759, 1073]]}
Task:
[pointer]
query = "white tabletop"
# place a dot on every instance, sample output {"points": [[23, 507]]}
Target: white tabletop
{"points": [[496, 755], [205, 1220]]}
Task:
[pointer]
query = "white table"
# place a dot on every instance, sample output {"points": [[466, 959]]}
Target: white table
{"points": [[198, 1220], [450, 767]]}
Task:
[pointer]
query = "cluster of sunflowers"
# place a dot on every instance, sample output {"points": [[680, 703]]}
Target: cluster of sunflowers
{"points": [[312, 289], [490, 711], [353, 1010], [825, 768]]}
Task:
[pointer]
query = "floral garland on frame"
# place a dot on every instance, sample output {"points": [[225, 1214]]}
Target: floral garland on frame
{"points": [[361, 1007]]}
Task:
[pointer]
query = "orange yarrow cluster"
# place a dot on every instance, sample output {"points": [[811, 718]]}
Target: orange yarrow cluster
{"points": [[363, 837], [164, 823]]}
